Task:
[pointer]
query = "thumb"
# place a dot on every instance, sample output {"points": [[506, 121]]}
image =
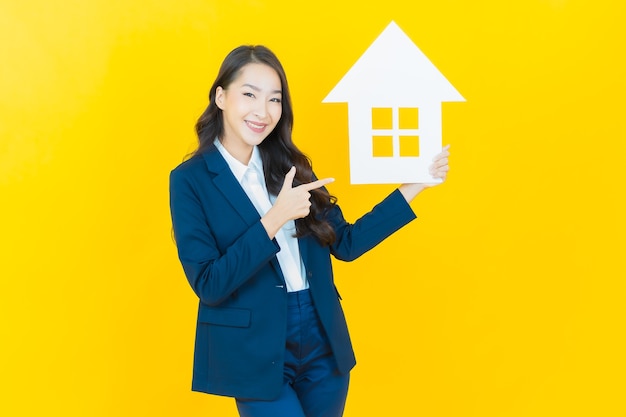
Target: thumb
{"points": [[288, 183]]}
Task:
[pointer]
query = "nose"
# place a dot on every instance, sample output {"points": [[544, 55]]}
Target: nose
{"points": [[260, 110]]}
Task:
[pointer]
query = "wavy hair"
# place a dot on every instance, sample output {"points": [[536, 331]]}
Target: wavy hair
{"points": [[277, 150]]}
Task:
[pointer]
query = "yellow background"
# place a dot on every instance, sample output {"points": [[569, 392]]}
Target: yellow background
{"points": [[505, 298]]}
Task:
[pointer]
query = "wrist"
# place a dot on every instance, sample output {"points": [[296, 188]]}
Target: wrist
{"points": [[410, 191], [272, 223]]}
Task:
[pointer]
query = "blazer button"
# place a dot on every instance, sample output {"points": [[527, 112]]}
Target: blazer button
{"points": [[309, 274]]}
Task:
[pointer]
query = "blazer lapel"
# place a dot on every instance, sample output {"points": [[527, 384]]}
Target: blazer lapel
{"points": [[232, 191]]}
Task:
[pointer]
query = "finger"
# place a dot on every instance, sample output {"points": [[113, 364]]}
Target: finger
{"points": [[444, 168], [317, 184], [438, 168], [439, 174], [440, 162], [443, 154], [288, 183], [435, 168]]}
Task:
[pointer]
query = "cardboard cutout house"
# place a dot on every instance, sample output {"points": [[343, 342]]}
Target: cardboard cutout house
{"points": [[394, 95]]}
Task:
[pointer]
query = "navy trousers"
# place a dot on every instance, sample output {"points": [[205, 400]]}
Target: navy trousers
{"points": [[312, 387]]}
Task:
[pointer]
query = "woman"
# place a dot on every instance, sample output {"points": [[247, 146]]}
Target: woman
{"points": [[255, 230]]}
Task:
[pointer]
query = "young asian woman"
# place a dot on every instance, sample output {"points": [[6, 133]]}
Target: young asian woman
{"points": [[255, 231]]}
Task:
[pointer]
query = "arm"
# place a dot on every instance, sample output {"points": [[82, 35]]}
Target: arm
{"points": [[391, 214], [353, 240], [215, 268]]}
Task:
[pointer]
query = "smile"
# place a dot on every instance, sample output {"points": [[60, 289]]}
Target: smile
{"points": [[256, 127]]}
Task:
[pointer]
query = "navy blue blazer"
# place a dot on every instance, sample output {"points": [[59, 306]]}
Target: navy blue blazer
{"points": [[230, 262]]}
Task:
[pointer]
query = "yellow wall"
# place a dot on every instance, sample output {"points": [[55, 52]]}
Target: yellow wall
{"points": [[505, 298]]}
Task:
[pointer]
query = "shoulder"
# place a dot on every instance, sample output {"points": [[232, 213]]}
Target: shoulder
{"points": [[209, 161], [192, 164], [188, 174]]}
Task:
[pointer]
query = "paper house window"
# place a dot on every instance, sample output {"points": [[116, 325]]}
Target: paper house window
{"points": [[395, 132]]}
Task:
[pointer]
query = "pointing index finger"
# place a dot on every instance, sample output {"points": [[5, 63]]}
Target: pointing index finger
{"points": [[317, 184]]}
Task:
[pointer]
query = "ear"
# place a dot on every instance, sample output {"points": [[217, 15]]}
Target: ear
{"points": [[219, 97]]}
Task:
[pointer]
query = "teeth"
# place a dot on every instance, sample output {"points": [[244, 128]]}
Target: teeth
{"points": [[258, 126]]}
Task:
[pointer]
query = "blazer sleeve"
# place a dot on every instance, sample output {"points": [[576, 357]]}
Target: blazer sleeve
{"points": [[353, 240], [214, 269]]}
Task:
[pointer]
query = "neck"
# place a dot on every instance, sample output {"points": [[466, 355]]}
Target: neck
{"points": [[242, 153]]}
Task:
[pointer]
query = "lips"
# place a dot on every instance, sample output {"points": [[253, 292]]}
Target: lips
{"points": [[256, 127]]}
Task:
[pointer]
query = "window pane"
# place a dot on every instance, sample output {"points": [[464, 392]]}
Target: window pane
{"points": [[409, 146], [382, 118], [409, 118], [382, 146]]}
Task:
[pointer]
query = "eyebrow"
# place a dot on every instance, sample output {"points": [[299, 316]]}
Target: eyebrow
{"points": [[255, 88]]}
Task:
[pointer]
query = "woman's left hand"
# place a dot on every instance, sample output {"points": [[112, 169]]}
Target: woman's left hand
{"points": [[438, 169]]}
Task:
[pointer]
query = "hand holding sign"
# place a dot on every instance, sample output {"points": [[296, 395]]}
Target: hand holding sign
{"points": [[437, 170]]}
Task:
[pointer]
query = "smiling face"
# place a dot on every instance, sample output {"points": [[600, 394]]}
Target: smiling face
{"points": [[251, 108]]}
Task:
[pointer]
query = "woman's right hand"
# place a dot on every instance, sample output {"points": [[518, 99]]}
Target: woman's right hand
{"points": [[291, 203]]}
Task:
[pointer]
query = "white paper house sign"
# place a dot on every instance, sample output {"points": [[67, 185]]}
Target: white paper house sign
{"points": [[394, 95]]}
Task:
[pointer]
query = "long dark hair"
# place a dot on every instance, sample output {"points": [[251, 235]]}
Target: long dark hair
{"points": [[277, 150]]}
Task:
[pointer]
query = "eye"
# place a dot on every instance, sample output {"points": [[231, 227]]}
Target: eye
{"points": [[275, 100], [248, 95]]}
